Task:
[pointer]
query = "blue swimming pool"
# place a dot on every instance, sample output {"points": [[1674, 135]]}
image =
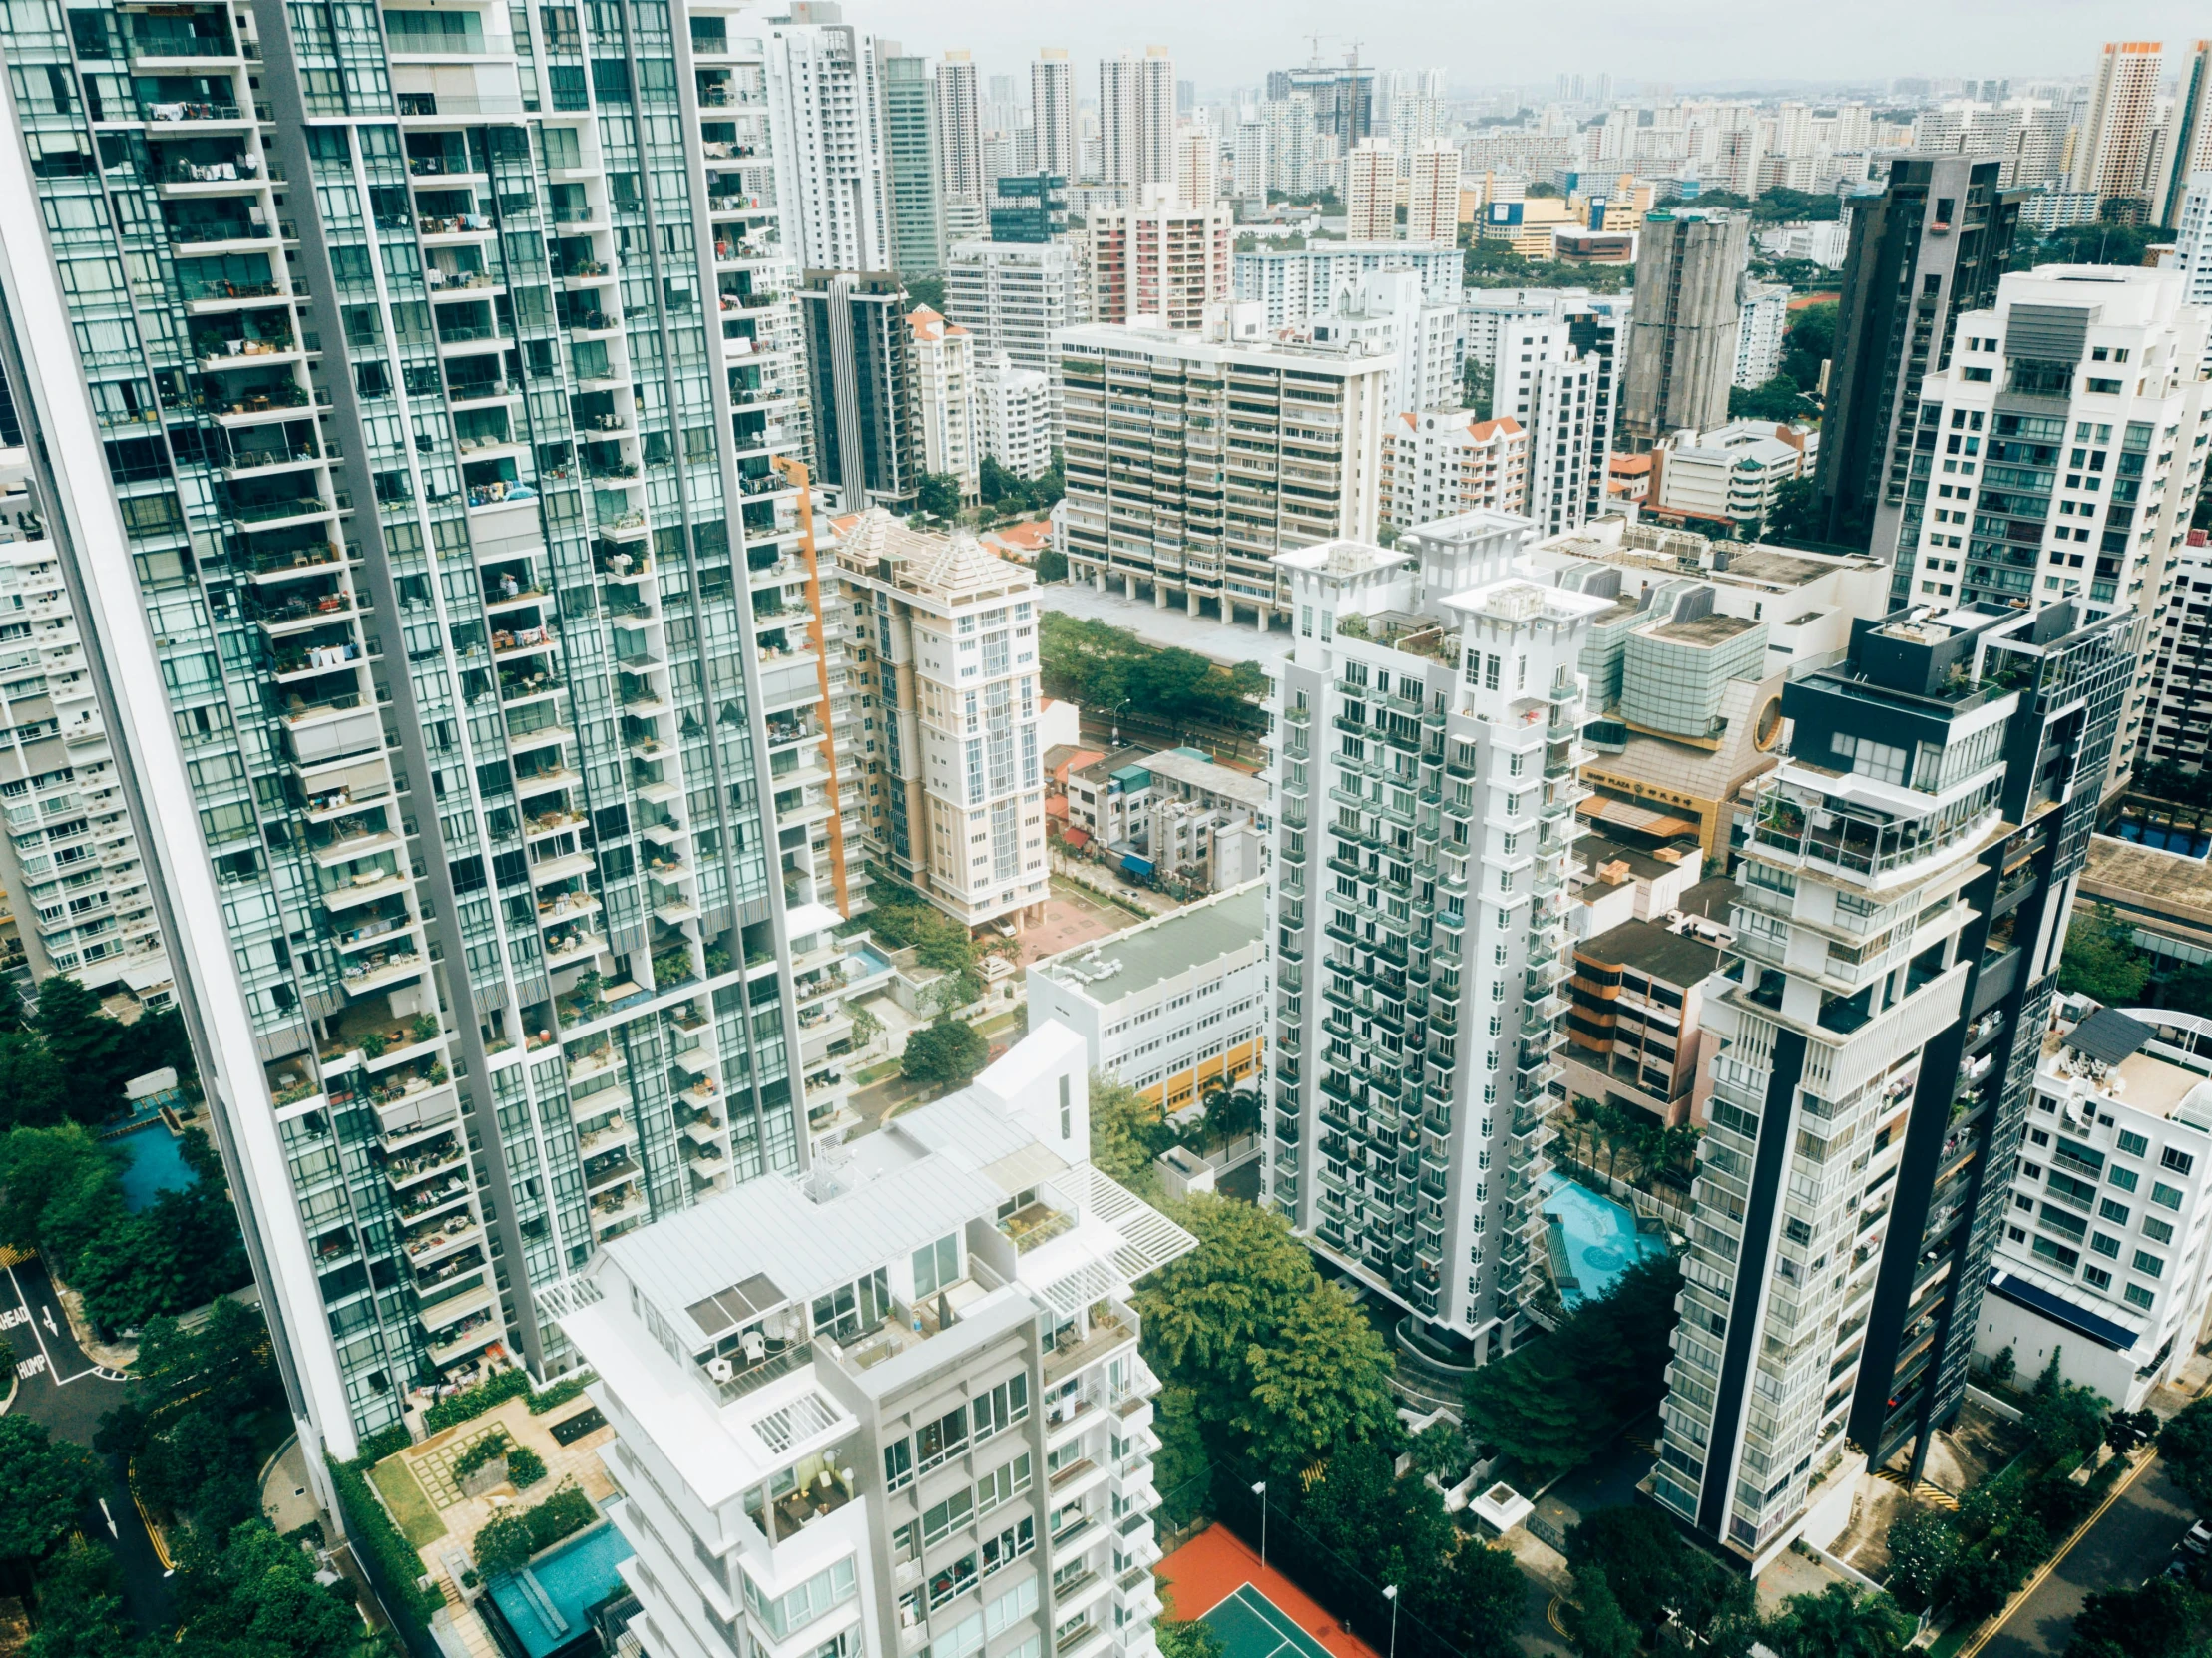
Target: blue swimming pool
{"points": [[153, 1163], [2191, 843], [1597, 1236], [865, 962], [546, 1605]]}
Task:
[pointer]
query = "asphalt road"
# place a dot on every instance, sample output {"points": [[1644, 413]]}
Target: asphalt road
{"points": [[62, 1388], [2132, 1540]]}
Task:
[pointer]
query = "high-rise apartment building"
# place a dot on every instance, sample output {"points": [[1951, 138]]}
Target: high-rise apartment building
{"points": [[1386, 313], [954, 643], [1928, 250], [2177, 726], [1420, 936], [1557, 377], [2116, 150], [2081, 385], [861, 356], [1442, 462], [2192, 227], [1197, 164], [1029, 206], [1371, 191], [75, 886], [840, 1402], [1166, 500], [1760, 329], [1433, 195], [1161, 262], [441, 546], [961, 171], [1014, 416], [944, 398], [910, 166], [1681, 346], [1014, 296], [1052, 112], [1249, 184], [827, 109], [1299, 285], [1881, 1012], [1136, 121]]}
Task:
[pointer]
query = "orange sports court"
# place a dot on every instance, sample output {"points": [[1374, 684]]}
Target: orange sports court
{"points": [[1256, 1609]]}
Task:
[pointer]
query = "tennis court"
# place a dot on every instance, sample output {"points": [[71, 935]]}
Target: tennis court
{"points": [[1256, 1609], [1252, 1626]]}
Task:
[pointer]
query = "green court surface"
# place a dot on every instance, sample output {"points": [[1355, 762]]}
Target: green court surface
{"points": [[1252, 1626]]}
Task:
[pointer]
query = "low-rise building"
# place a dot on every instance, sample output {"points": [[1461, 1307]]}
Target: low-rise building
{"points": [[1615, 881], [1172, 1007], [2164, 895], [894, 1401], [1731, 475], [1177, 815], [1633, 1035], [2103, 1259]]}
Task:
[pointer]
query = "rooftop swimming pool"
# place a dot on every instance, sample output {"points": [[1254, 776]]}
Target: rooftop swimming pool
{"points": [[1593, 1238], [546, 1605], [866, 962]]}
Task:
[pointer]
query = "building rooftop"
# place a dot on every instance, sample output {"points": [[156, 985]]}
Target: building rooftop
{"points": [[1128, 964], [2172, 891], [944, 571], [1189, 766], [1715, 899], [1595, 851], [1650, 949], [2137, 1079], [1704, 630]]}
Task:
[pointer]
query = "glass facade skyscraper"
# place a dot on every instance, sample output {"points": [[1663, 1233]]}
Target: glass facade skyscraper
{"points": [[415, 391]]}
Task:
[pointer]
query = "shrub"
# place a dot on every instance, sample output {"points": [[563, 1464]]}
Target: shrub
{"points": [[504, 1545], [377, 1543], [561, 1392], [471, 1402], [385, 1442], [563, 1514], [525, 1467], [489, 1448]]}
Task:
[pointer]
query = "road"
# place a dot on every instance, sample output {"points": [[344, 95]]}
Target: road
{"points": [[2129, 1541], [65, 1392]]}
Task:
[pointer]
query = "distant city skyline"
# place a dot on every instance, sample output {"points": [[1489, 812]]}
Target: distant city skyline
{"points": [[1868, 42]]}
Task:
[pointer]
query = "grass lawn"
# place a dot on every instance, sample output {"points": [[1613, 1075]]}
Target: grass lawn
{"points": [[999, 1026], [876, 1073], [418, 1521]]}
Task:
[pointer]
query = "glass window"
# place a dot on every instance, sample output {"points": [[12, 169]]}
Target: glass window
{"points": [[2165, 1196], [2149, 1265], [936, 1265], [2133, 1145]]}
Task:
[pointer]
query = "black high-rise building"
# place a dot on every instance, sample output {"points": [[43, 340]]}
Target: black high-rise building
{"points": [[1926, 251]]}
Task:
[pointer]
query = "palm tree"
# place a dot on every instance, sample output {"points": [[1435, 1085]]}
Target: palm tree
{"points": [[1839, 1623]]}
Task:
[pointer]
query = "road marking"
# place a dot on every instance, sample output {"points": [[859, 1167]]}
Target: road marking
{"points": [[2035, 1580], [44, 1362], [110, 1519], [16, 1285], [1552, 1616]]}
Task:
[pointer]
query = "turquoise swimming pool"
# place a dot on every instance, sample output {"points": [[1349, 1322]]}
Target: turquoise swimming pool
{"points": [[867, 962], [153, 1163], [1593, 1238], [545, 1605]]}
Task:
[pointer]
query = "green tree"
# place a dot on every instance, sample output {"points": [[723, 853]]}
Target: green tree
{"points": [[1477, 379], [1205, 1312], [1657, 1579], [1440, 1449], [34, 1093], [1231, 1115], [1320, 1378], [1795, 514], [2188, 990], [1599, 1627], [2102, 961], [2158, 1620], [1182, 1469], [1052, 564], [1777, 400], [45, 1484], [1924, 1547], [2185, 1446], [1811, 341], [1188, 1638], [1127, 1130], [256, 1596], [2062, 1417], [503, 1546], [60, 1191], [1838, 1622], [178, 1254], [946, 1052], [927, 289], [2125, 1429], [96, 1052], [80, 1607], [938, 494], [191, 1432], [1474, 1603]]}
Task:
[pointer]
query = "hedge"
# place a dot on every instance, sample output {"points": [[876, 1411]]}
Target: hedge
{"points": [[471, 1402], [394, 1567]]}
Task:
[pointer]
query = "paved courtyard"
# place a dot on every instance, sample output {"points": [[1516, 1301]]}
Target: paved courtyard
{"points": [[1207, 634], [1071, 916]]}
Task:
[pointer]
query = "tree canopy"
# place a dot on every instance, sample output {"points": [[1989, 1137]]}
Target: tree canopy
{"points": [[1778, 400], [2100, 960], [1838, 1622], [254, 1595], [2185, 1446], [946, 1052], [1101, 667], [45, 1484]]}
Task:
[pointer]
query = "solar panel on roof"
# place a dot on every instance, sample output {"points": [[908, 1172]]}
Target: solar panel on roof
{"points": [[2109, 1036]]}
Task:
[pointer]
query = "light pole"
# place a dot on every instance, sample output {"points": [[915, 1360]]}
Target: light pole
{"points": [[1259, 1490], [1390, 1593]]}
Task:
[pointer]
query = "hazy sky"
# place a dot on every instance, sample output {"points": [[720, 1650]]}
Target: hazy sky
{"points": [[1227, 43]]}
